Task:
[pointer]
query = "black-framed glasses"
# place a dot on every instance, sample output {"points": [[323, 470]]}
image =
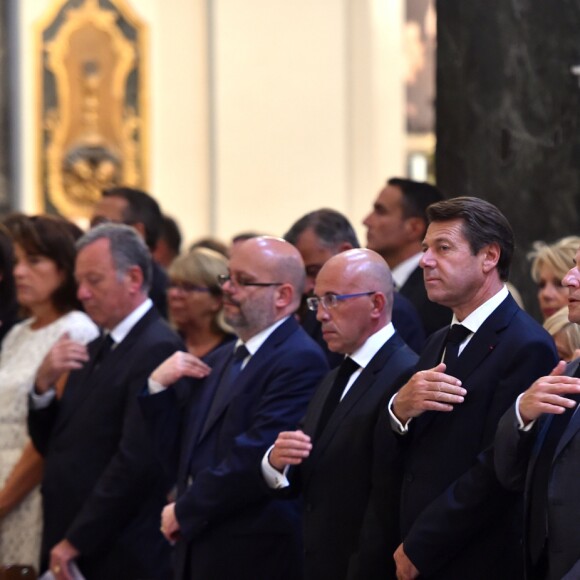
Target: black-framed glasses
{"points": [[329, 301], [187, 287], [223, 278]]}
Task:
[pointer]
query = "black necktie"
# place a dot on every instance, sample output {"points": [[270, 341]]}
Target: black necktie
{"points": [[105, 348], [539, 486], [347, 367], [456, 335], [228, 378]]}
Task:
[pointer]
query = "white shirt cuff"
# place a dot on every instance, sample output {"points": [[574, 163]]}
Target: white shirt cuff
{"points": [[272, 476], [396, 425], [521, 425], [154, 387], [41, 401]]}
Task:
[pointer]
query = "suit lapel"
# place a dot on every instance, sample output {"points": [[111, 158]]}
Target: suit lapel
{"points": [[81, 384], [365, 381], [574, 426], [247, 377], [481, 345]]}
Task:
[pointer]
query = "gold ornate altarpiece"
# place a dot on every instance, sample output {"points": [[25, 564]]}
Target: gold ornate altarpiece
{"points": [[92, 105]]}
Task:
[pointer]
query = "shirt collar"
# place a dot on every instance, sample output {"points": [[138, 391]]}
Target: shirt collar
{"points": [[402, 272], [126, 325], [474, 320], [254, 343], [364, 354]]}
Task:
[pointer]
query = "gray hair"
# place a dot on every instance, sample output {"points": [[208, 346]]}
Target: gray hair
{"points": [[127, 249]]}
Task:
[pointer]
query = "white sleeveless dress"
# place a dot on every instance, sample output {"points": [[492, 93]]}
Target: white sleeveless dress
{"points": [[22, 352]]}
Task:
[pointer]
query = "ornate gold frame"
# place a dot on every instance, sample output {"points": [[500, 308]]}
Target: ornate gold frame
{"points": [[92, 103]]}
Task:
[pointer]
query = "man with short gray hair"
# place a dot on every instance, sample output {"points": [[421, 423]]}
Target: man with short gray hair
{"points": [[102, 486]]}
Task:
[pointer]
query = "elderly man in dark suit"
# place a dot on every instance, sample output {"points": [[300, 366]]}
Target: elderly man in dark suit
{"points": [[102, 485], [538, 450], [448, 412], [213, 430], [395, 229], [348, 475]]}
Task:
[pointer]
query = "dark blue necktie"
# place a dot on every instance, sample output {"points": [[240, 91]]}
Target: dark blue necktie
{"points": [[456, 335]]}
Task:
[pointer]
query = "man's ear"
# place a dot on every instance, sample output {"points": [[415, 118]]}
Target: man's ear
{"points": [[415, 228], [491, 255], [135, 276], [284, 295]]}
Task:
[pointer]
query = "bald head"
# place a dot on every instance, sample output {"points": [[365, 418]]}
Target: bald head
{"points": [[348, 325], [267, 280]]}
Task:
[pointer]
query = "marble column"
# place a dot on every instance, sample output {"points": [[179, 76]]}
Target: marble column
{"points": [[508, 115], [5, 132]]}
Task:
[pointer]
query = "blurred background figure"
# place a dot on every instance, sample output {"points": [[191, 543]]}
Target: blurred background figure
{"points": [[550, 263], [212, 244], [195, 300], [566, 334], [8, 304], [44, 248], [169, 242]]}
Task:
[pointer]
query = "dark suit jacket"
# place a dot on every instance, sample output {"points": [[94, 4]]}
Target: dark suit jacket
{"points": [[158, 290], [433, 315], [102, 487], [231, 527], [508, 352], [516, 453], [349, 482], [405, 320]]}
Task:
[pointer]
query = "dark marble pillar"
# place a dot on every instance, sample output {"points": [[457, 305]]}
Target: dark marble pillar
{"points": [[508, 115]]}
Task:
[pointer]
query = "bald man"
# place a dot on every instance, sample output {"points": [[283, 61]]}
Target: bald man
{"points": [[346, 471], [213, 423]]}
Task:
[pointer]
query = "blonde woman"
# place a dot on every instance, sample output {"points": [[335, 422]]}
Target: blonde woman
{"points": [[550, 263], [195, 302], [566, 334]]}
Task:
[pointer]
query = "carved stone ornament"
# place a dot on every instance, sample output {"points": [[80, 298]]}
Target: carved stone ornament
{"points": [[92, 103]]}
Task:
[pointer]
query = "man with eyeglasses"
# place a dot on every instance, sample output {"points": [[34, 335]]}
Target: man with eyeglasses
{"points": [[348, 475], [321, 234], [213, 422]]}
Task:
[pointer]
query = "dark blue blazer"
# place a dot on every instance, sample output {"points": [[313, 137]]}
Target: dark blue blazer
{"points": [[516, 454], [442, 534], [103, 487], [350, 482], [230, 526]]}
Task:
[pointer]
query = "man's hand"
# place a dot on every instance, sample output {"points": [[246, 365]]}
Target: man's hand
{"points": [[60, 557], [169, 523], [430, 390], [405, 568], [290, 448], [179, 364], [548, 395], [66, 355]]}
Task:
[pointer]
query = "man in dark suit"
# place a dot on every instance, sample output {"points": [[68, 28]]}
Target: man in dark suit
{"points": [[102, 485], [395, 229], [214, 431], [318, 236], [537, 450], [348, 475], [448, 412], [135, 208]]}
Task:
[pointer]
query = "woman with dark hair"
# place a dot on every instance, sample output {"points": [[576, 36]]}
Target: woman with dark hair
{"points": [[44, 248], [8, 304]]}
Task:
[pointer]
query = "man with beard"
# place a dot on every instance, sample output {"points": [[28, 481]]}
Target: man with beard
{"points": [[213, 429]]}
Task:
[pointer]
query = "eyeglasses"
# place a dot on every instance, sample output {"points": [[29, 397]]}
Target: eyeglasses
{"points": [[329, 301], [187, 287], [223, 278]]}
